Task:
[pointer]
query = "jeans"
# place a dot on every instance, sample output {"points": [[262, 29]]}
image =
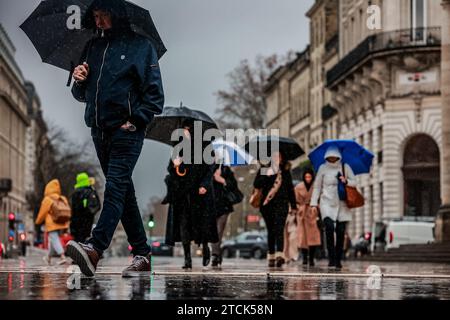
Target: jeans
{"points": [[118, 152], [334, 249], [55, 243]]}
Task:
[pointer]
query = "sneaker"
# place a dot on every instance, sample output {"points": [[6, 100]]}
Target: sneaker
{"points": [[271, 263], [140, 266], [84, 255], [338, 265], [62, 261]]}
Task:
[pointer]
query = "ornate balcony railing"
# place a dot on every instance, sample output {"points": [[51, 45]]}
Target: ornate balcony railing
{"points": [[385, 41]]}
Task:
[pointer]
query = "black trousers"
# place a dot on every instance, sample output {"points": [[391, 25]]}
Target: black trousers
{"points": [[275, 219], [335, 248]]}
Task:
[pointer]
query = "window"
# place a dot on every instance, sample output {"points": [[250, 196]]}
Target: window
{"points": [[418, 19]]}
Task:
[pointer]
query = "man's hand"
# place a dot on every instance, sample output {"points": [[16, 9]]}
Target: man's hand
{"points": [[81, 72], [129, 126], [202, 191]]}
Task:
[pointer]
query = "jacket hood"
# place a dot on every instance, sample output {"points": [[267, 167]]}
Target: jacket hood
{"points": [[53, 187], [118, 11], [333, 152]]}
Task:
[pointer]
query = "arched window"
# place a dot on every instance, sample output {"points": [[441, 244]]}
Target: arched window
{"points": [[421, 176]]}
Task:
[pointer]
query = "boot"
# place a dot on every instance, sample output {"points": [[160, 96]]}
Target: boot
{"points": [[215, 261], [206, 255], [305, 256], [187, 256], [280, 261]]}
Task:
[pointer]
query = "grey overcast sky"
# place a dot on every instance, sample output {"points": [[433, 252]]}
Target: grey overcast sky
{"points": [[205, 39]]}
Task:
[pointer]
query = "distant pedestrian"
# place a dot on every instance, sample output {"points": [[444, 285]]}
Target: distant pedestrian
{"points": [[190, 195], [277, 193], [225, 187], [335, 212], [85, 205], [55, 212], [307, 219]]}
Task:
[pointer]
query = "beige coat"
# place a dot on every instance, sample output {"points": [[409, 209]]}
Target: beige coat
{"points": [[290, 250], [307, 230]]}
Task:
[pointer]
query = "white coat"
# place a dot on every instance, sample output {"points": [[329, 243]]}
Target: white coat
{"points": [[325, 192]]}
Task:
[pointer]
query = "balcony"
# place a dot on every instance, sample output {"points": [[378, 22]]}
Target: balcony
{"points": [[385, 42]]}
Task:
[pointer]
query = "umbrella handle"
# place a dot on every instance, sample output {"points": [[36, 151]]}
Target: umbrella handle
{"points": [[72, 69], [181, 174]]}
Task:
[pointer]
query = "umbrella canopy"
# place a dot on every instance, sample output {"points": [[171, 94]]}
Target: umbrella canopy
{"points": [[61, 46], [353, 154], [231, 154], [287, 146], [171, 119]]}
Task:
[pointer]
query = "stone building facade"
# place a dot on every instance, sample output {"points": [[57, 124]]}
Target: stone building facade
{"points": [[381, 88], [14, 122]]}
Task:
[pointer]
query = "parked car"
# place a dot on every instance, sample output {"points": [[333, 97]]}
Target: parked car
{"points": [[246, 245], [159, 248], [393, 233]]}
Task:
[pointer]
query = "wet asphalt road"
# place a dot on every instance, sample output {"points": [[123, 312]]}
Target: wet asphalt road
{"points": [[30, 278]]}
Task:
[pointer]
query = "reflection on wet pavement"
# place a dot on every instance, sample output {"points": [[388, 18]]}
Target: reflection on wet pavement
{"points": [[104, 287], [238, 279]]}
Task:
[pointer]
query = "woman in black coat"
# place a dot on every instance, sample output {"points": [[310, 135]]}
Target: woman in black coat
{"points": [[191, 215], [224, 182], [277, 193]]}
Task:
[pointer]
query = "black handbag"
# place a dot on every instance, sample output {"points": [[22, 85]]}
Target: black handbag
{"points": [[233, 195]]}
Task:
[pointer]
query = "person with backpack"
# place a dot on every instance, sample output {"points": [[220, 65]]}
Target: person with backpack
{"points": [[85, 205], [55, 212]]}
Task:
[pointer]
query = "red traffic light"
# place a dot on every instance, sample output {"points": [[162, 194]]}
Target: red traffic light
{"points": [[11, 239], [11, 216]]}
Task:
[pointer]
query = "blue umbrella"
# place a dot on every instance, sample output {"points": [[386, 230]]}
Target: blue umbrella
{"points": [[231, 154], [353, 154]]}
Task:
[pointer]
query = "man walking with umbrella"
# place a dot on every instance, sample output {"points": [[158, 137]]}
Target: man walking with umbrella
{"points": [[119, 80]]}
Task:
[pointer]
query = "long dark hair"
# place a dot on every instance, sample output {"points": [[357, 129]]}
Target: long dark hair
{"points": [[311, 172]]}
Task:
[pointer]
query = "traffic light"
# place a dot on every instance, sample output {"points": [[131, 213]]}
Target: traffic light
{"points": [[12, 221], [12, 226], [151, 222]]}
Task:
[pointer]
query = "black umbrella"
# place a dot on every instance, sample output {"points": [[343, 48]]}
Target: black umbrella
{"points": [[171, 119], [261, 146], [47, 28]]}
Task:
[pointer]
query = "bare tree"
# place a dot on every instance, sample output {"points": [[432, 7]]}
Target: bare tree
{"points": [[243, 105]]}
